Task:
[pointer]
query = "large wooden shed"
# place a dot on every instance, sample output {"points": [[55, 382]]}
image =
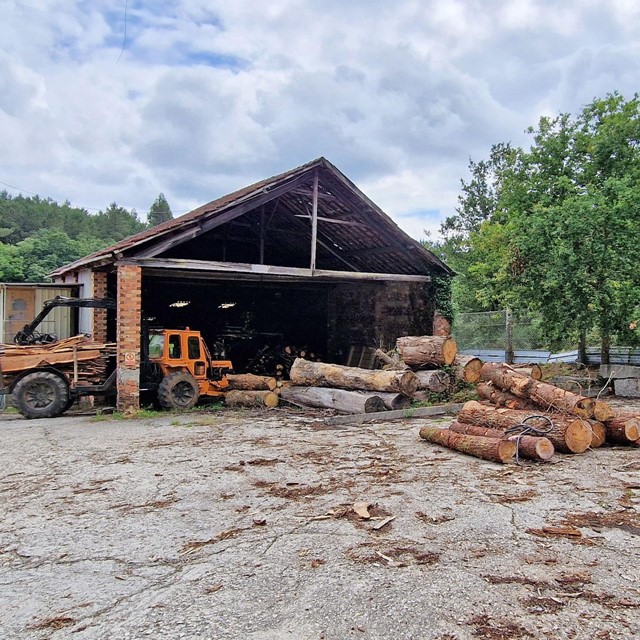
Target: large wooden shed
{"points": [[303, 257]]}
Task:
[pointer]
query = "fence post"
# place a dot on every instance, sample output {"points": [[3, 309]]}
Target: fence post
{"points": [[509, 331]]}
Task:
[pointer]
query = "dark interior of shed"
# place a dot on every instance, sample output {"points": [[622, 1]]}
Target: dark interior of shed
{"points": [[248, 323]]}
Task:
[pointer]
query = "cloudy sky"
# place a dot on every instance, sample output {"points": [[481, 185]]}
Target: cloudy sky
{"points": [[210, 95]]}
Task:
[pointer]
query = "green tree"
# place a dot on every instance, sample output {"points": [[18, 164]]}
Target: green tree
{"points": [[159, 212], [556, 228]]}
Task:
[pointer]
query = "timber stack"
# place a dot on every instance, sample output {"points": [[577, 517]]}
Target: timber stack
{"points": [[64, 355], [539, 417]]}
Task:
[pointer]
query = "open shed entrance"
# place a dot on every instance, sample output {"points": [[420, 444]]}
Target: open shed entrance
{"points": [[250, 324]]}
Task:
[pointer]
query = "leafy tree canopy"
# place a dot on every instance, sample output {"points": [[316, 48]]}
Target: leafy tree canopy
{"points": [[556, 228]]}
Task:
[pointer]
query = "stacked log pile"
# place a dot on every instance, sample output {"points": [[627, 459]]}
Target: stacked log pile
{"points": [[84, 361], [539, 417]]}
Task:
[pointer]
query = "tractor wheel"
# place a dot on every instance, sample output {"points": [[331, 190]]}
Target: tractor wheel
{"points": [[41, 395], [178, 390]]}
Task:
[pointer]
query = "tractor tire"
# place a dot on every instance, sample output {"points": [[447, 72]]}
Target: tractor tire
{"points": [[178, 390], [41, 395]]}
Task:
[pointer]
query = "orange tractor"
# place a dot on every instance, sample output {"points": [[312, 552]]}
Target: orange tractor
{"points": [[180, 369]]}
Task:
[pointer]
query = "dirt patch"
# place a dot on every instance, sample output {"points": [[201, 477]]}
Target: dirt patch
{"points": [[58, 622], [626, 520], [539, 605], [194, 545]]}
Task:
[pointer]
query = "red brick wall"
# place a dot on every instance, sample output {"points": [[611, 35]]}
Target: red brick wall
{"points": [[99, 329], [128, 336]]}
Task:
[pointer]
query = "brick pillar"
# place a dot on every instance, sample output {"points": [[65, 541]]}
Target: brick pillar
{"points": [[128, 327], [99, 322]]}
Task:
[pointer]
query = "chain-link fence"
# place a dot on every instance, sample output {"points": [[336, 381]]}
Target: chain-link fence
{"points": [[498, 330]]}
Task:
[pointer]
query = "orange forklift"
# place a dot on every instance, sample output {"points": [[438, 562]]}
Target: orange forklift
{"points": [[179, 368]]}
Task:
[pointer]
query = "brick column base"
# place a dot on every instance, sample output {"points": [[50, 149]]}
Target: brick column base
{"points": [[129, 328]]}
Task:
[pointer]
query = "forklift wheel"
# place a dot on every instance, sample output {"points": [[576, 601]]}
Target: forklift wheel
{"points": [[178, 390], [41, 395]]}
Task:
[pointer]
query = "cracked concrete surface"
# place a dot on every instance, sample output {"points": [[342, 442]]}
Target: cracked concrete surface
{"points": [[237, 525]]}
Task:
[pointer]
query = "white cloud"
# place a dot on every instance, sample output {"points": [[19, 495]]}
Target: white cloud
{"points": [[210, 96]]}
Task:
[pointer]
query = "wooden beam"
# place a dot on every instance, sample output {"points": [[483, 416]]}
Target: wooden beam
{"points": [[333, 220], [208, 224], [314, 221], [397, 414], [262, 232], [262, 270]]}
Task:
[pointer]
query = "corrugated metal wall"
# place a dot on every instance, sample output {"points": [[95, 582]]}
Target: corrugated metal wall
{"points": [[59, 321]]}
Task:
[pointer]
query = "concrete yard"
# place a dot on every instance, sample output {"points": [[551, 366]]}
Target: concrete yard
{"points": [[239, 525]]}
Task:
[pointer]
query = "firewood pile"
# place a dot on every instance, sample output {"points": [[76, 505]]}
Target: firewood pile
{"points": [[84, 361], [537, 418]]}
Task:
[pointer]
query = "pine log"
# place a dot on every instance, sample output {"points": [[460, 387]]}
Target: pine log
{"points": [[531, 447], [467, 368], [434, 381], [569, 434], [338, 399], [389, 361], [602, 411], [250, 382], [252, 399], [598, 434], [499, 398], [481, 447], [320, 374], [417, 351], [393, 401], [532, 370], [623, 429], [542, 394]]}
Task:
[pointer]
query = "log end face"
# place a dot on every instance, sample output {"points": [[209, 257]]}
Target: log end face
{"points": [[602, 411], [506, 450], [632, 429], [449, 351], [599, 434], [544, 449], [578, 436]]}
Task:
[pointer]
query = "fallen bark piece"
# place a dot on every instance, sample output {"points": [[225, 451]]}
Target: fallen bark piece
{"points": [[252, 399], [499, 398], [384, 522], [417, 351], [251, 382], [481, 447], [434, 381], [531, 447], [569, 434], [338, 399], [467, 368], [544, 395], [320, 374], [570, 532], [362, 509], [623, 429]]}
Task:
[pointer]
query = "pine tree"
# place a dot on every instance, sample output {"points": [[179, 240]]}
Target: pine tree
{"points": [[159, 212]]}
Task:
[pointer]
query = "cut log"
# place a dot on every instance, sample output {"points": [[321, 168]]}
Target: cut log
{"points": [[393, 401], [434, 381], [542, 394], [418, 351], [602, 411], [569, 434], [531, 447], [252, 399], [388, 361], [467, 368], [320, 374], [500, 398], [338, 399], [623, 429], [251, 382], [598, 434], [481, 447], [532, 370]]}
